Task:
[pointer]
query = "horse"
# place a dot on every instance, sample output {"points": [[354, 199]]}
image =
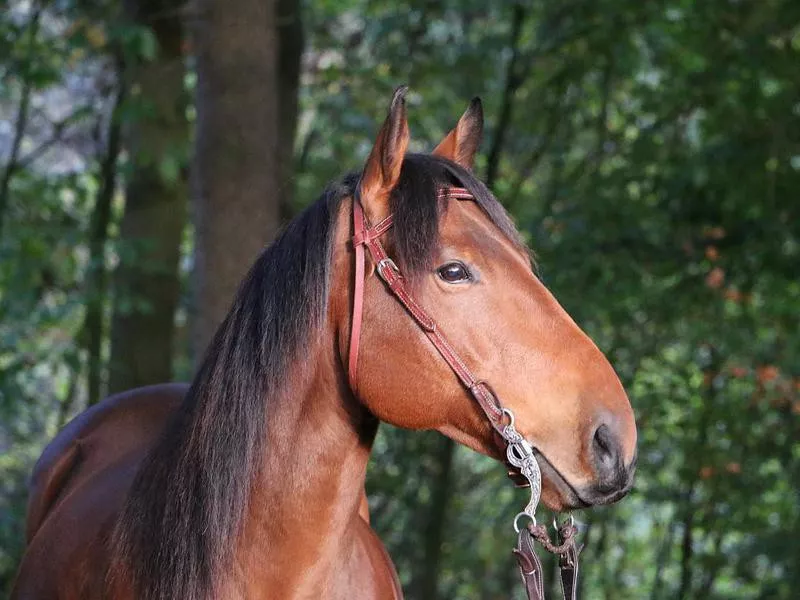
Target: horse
{"points": [[249, 483]]}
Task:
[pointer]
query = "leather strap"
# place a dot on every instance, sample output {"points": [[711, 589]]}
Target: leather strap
{"points": [[366, 236], [361, 236], [568, 565], [530, 566], [358, 295]]}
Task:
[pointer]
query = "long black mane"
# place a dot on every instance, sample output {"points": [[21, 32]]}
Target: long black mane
{"points": [[178, 528]]}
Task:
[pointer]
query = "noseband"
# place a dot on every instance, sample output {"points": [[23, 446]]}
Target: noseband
{"points": [[519, 452]]}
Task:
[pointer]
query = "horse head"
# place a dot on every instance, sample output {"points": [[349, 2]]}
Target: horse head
{"points": [[465, 266]]}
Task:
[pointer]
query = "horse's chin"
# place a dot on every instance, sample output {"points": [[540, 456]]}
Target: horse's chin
{"points": [[557, 493]]}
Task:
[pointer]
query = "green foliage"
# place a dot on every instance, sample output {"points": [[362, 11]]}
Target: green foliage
{"points": [[649, 153]]}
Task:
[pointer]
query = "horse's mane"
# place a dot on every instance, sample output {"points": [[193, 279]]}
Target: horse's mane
{"points": [[179, 526]]}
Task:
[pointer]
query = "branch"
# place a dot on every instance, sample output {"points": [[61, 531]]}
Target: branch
{"points": [[554, 121], [687, 551], [305, 150], [536, 156], [661, 559], [587, 166], [713, 572], [101, 217], [21, 120], [59, 128], [513, 81], [601, 126], [519, 69]]}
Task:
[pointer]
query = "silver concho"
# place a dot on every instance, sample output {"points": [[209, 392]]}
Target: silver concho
{"points": [[520, 454]]}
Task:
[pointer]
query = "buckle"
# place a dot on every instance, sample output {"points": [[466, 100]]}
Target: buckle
{"points": [[383, 264]]}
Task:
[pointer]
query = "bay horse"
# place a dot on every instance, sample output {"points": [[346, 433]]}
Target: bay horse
{"points": [[249, 483]]}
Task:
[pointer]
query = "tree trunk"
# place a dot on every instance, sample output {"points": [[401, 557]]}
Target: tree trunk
{"points": [[147, 284], [427, 585], [96, 279], [687, 552], [704, 423], [715, 566], [290, 53], [662, 559], [235, 171]]}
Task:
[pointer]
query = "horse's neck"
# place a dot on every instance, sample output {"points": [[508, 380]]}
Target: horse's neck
{"points": [[301, 523]]}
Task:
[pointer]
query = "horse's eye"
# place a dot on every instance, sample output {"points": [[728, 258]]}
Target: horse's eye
{"points": [[454, 272]]}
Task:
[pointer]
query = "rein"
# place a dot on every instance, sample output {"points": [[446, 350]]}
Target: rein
{"points": [[519, 452]]}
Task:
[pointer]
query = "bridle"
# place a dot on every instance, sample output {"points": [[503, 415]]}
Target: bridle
{"points": [[369, 237], [519, 452]]}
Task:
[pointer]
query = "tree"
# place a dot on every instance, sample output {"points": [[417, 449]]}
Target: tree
{"points": [[236, 190], [97, 272], [291, 42], [147, 283]]}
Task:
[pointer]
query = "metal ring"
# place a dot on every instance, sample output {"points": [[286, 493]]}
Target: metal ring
{"points": [[569, 521], [507, 413], [523, 514]]}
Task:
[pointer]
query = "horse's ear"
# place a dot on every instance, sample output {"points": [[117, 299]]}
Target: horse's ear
{"points": [[461, 144], [382, 170]]}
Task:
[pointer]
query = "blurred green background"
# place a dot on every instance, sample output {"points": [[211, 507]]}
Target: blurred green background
{"points": [[648, 150]]}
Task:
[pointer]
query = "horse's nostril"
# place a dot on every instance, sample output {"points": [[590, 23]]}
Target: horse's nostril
{"points": [[612, 477], [606, 449]]}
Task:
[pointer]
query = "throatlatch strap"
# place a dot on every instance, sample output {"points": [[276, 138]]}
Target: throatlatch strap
{"points": [[358, 294]]}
